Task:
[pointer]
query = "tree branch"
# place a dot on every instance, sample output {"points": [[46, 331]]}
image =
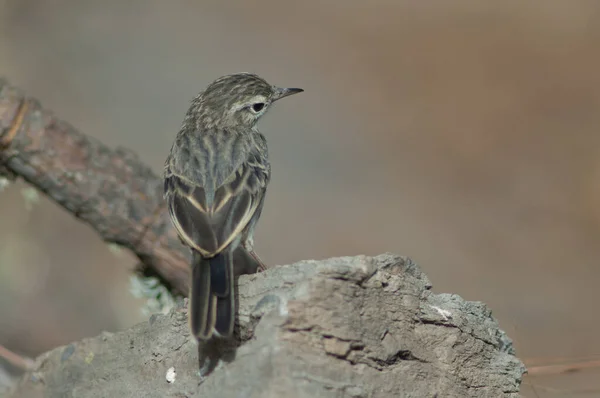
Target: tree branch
{"points": [[111, 190]]}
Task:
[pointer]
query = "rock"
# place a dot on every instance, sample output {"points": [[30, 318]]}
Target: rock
{"points": [[341, 327]]}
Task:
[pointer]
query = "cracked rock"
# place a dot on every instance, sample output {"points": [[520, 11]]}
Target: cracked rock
{"points": [[342, 327]]}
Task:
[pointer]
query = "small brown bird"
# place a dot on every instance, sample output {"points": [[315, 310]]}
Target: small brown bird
{"points": [[216, 177]]}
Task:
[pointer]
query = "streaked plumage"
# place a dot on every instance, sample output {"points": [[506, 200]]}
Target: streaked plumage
{"points": [[216, 177]]}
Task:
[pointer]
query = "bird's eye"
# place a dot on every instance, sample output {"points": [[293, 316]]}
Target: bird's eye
{"points": [[258, 107]]}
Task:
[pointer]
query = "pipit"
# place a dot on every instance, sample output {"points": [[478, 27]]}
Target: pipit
{"points": [[216, 177]]}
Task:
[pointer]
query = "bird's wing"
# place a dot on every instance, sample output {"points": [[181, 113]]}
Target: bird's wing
{"points": [[209, 219]]}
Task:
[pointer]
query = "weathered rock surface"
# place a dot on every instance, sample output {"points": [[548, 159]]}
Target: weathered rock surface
{"points": [[342, 327]]}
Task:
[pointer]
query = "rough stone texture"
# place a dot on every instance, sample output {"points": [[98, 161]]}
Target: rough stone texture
{"points": [[342, 327]]}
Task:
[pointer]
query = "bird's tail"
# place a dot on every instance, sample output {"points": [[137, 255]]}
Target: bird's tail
{"points": [[212, 296]]}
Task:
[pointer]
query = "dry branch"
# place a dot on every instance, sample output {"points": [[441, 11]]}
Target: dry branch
{"points": [[109, 189]]}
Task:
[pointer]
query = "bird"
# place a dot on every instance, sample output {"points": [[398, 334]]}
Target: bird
{"points": [[215, 180]]}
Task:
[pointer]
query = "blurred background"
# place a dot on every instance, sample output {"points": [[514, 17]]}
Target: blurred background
{"points": [[464, 134]]}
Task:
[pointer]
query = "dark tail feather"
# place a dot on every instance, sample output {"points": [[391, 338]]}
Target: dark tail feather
{"points": [[224, 290], [220, 274], [212, 298], [202, 302], [241, 262], [225, 315]]}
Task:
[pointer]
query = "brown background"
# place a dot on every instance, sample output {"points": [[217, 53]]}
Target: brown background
{"points": [[464, 134]]}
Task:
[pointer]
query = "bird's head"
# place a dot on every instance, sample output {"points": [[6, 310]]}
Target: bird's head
{"points": [[237, 100]]}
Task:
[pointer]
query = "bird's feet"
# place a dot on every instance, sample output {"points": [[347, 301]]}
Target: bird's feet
{"points": [[261, 266]]}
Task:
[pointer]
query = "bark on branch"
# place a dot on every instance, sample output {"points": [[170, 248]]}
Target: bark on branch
{"points": [[109, 189]]}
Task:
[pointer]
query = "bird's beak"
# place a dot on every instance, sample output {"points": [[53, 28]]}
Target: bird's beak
{"points": [[285, 92]]}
